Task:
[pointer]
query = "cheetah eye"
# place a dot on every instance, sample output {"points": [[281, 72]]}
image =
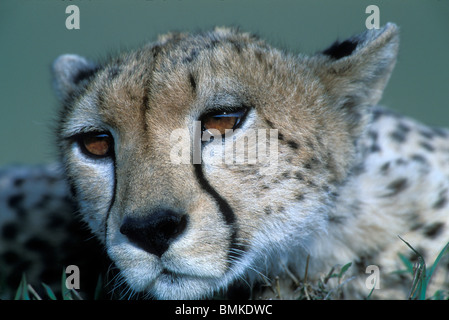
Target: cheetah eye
{"points": [[223, 120], [96, 144]]}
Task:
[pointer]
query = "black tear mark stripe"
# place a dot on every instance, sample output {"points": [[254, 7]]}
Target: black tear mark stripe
{"points": [[114, 197], [235, 250], [224, 207]]}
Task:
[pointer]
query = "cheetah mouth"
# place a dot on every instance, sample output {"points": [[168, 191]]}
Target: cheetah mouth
{"points": [[177, 277], [169, 285], [174, 276]]}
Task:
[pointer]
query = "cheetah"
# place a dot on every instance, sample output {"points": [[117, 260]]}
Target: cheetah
{"points": [[325, 176]]}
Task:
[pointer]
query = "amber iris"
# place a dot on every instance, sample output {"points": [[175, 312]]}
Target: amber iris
{"points": [[220, 123], [98, 145]]}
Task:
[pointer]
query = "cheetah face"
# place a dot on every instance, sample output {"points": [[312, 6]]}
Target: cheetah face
{"points": [[150, 141]]}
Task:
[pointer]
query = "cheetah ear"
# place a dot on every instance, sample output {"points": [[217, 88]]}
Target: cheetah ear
{"points": [[71, 72], [356, 71]]}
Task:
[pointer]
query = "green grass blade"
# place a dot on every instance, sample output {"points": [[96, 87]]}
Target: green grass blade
{"points": [[422, 280], [371, 292], [419, 285], [344, 269], [99, 288], [432, 269], [66, 294], [22, 291], [18, 295], [407, 263], [442, 252], [49, 292]]}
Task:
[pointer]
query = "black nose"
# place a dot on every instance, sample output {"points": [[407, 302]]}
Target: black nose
{"points": [[156, 231]]}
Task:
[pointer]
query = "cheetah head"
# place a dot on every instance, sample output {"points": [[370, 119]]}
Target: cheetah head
{"points": [[150, 142]]}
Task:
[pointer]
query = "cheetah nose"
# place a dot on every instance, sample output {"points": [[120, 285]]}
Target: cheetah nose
{"points": [[155, 232]]}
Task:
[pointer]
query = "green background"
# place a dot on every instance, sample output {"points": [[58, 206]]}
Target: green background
{"points": [[33, 34]]}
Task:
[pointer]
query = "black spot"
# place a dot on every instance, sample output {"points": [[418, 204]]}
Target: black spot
{"points": [[72, 188], [236, 45], [286, 174], [336, 219], [258, 55], [19, 182], [269, 123], [49, 275], [280, 136], [192, 82], [440, 132], [330, 162], [377, 114], [358, 169], [156, 50], [10, 257], [351, 104], [299, 196], [403, 127], [10, 231], [21, 212], [375, 148], [52, 180], [427, 146], [426, 133], [334, 194], [43, 202], [311, 163], [398, 136], [267, 210], [434, 230], [192, 56], [299, 176], [415, 226], [23, 265], [311, 184], [113, 72], [16, 200], [37, 244], [55, 221], [419, 158], [441, 202], [373, 135], [145, 105], [396, 186], [339, 50], [292, 144]]}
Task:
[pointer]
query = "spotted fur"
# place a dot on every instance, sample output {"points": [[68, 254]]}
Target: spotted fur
{"points": [[40, 233]]}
